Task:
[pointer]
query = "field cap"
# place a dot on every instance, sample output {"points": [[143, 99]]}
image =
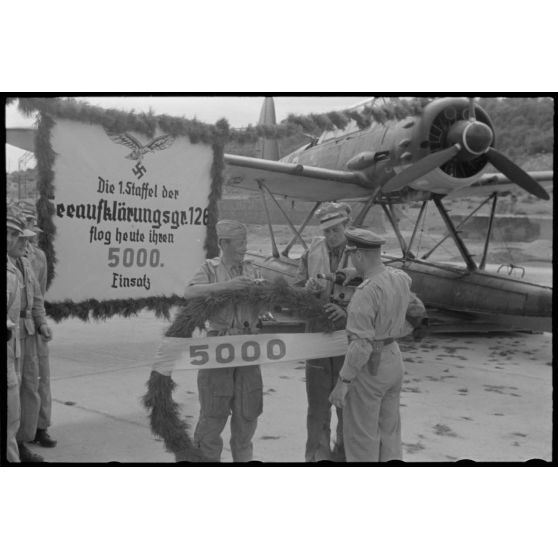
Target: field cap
{"points": [[362, 239], [31, 219], [331, 214], [230, 229], [15, 223]]}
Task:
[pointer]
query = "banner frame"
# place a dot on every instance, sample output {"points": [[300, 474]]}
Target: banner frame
{"points": [[117, 121]]}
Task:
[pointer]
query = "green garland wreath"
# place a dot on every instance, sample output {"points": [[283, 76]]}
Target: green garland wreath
{"points": [[397, 109], [162, 410]]}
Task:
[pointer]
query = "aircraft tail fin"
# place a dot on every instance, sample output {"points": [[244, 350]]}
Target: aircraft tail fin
{"points": [[270, 147]]}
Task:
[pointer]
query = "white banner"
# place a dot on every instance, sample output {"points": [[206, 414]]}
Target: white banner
{"points": [[229, 351], [130, 212]]}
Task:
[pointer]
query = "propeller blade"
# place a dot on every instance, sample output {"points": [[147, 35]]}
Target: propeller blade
{"points": [[516, 174], [472, 116], [420, 168]]}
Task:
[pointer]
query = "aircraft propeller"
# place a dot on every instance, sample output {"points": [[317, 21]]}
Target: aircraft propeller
{"points": [[470, 139], [516, 174]]}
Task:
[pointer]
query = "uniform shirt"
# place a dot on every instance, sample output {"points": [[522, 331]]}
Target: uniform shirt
{"points": [[376, 312], [38, 261], [335, 255], [13, 291], [231, 317], [32, 302]]}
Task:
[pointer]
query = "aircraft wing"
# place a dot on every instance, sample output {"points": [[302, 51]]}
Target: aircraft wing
{"points": [[293, 180], [497, 182], [24, 138]]}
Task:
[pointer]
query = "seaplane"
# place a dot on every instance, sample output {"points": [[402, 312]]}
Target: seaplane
{"points": [[441, 154]]}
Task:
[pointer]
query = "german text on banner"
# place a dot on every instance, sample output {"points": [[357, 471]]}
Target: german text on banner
{"points": [[130, 212], [175, 354]]}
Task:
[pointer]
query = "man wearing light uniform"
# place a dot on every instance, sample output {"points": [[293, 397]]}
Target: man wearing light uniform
{"points": [[323, 257], [32, 321], [15, 229], [369, 384], [228, 391], [37, 258]]}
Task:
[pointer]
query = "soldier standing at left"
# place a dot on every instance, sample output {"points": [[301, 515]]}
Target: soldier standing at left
{"points": [[228, 391], [14, 229], [32, 321], [37, 258]]}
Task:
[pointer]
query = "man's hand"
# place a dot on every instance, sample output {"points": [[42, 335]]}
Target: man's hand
{"points": [[337, 396], [313, 285], [45, 332], [239, 283], [335, 312]]}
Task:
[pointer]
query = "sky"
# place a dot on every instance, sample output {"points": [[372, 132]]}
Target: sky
{"points": [[239, 111]]}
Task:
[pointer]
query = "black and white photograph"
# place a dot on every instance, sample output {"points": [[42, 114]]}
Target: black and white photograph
{"points": [[279, 279]]}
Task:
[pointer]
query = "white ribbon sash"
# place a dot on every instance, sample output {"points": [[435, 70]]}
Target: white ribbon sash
{"points": [[176, 354]]}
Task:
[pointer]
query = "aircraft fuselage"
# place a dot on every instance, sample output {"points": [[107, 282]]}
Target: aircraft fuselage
{"points": [[382, 149]]}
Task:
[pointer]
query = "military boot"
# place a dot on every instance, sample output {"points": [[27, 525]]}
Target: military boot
{"points": [[43, 439], [27, 456]]}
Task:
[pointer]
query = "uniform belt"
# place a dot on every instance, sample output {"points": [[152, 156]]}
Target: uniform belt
{"points": [[387, 341], [24, 314]]}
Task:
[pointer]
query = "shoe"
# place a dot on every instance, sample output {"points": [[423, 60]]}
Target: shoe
{"points": [[27, 456], [43, 439], [338, 454]]}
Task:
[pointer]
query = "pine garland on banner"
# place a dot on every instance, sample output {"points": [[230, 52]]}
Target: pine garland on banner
{"points": [[163, 411]]}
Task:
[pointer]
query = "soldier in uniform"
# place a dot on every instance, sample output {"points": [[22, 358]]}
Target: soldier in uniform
{"points": [[324, 257], [37, 258], [369, 384], [32, 321], [228, 391], [15, 229]]}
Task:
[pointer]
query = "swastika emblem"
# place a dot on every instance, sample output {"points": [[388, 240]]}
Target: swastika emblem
{"points": [[139, 170]]}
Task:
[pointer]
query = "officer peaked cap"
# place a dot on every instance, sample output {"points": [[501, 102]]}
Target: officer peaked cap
{"points": [[362, 239]]}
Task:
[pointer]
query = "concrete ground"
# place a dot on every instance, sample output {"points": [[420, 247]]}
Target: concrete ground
{"points": [[475, 397]]}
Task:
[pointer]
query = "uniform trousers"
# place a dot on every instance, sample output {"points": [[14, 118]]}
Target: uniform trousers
{"points": [[29, 391], [223, 392], [371, 418], [45, 410], [12, 452], [321, 377]]}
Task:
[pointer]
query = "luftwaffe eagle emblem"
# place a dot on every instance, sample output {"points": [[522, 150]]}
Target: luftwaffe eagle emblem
{"points": [[139, 150]]}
